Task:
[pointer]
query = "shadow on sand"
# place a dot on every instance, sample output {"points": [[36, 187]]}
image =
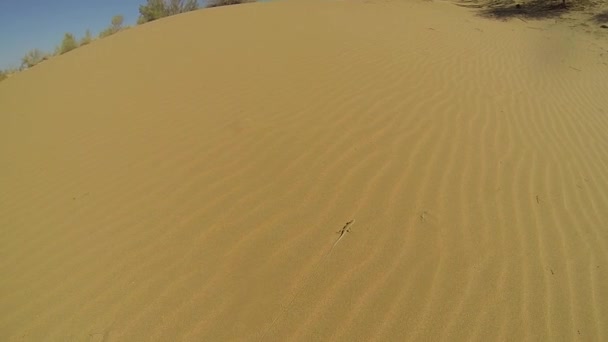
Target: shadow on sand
{"points": [[534, 9], [601, 18], [528, 9]]}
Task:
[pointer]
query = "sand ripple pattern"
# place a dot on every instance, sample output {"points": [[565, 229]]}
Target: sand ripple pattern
{"points": [[195, 194]]}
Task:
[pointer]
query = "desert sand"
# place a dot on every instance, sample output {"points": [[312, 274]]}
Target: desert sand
{"points": [[188, 179]]}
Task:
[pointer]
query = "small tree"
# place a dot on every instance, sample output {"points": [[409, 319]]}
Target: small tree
{"points": [[152, 10], [180, 6], [105, 33], [117, 21], [156, 9], [68, 44], [32, 58], [88, 37], [116, 25], [3, 75]]}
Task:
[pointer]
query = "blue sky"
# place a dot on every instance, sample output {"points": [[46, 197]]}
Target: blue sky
{"points": [[29, 24]]}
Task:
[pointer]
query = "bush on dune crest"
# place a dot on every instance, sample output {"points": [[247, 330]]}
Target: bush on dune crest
{"points": [[32, 58], [8, 72], [88, 37], [217, 3], [68, 43], [116, 26], [156, 9]]}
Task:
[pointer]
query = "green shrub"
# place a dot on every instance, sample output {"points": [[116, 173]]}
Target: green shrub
{"points": [[116, 26], [8, 72], [156, 9], [105, 33], [117, 21], [68, 44], [32, 58], [88, 37]]}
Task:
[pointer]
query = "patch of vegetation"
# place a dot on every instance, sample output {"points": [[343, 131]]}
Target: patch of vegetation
{"points": [[8, 72], [217, 3], [32, 58], [68, 43], [527, 9], [114, 27], [88, 38], [156, 9], [601, 18]]}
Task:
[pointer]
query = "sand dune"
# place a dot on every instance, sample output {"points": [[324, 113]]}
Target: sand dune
{"points": [[185, 180]]}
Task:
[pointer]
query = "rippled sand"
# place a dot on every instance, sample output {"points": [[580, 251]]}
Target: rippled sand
{"points": [[186, 180]]}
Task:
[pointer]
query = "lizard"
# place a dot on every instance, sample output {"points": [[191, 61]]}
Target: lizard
{"points": [[344, 230]]}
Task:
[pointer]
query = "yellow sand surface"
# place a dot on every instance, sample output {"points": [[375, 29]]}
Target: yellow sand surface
{"points": [[187, 180]]}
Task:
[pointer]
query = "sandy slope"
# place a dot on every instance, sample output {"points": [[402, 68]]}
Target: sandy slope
{"points": [[185, 180]]}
